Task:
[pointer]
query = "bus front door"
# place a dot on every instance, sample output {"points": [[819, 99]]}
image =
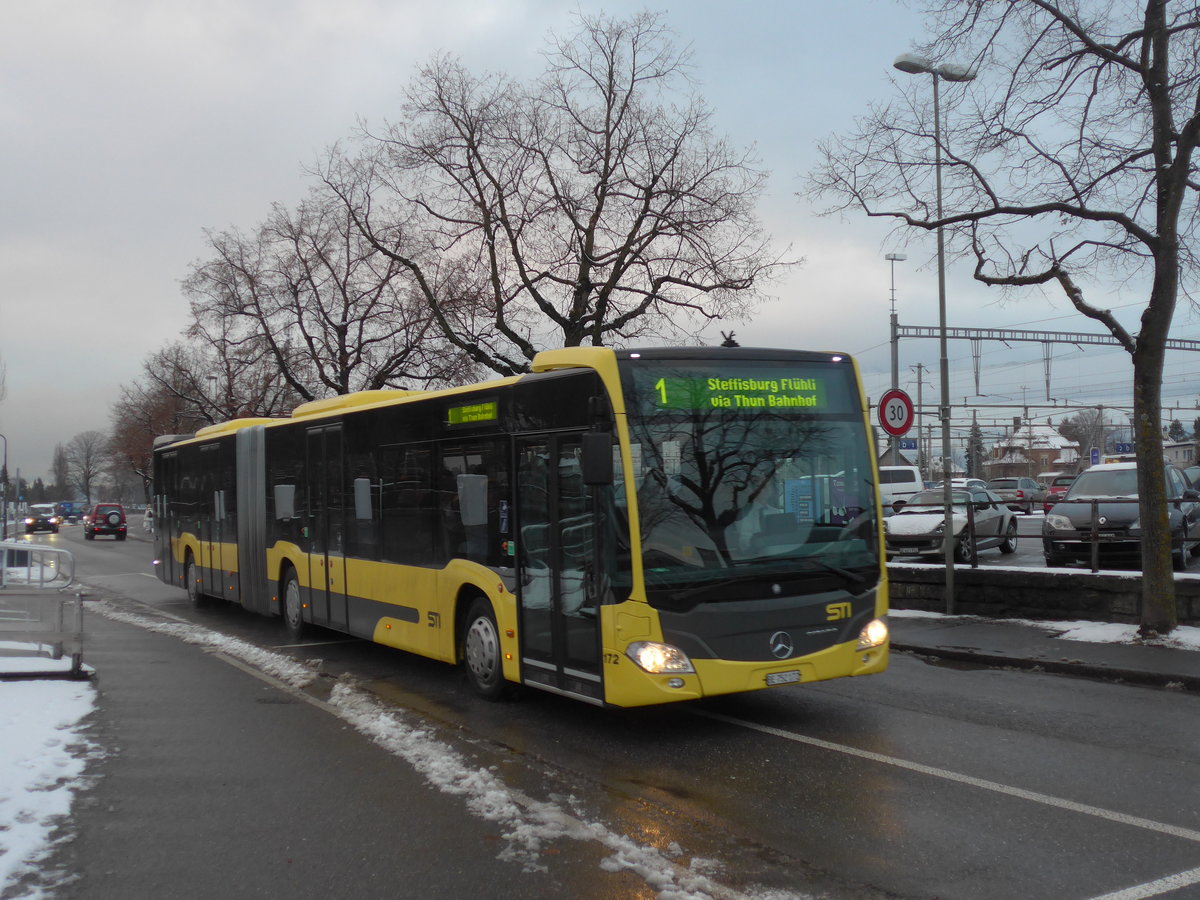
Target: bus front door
{"points": [[327, 528], [560, 639]]}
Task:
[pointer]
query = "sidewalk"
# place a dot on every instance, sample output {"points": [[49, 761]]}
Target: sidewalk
{"points": [[1000, 642], [206, 781]]}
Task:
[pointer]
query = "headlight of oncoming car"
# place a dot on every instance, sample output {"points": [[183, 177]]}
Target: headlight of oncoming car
{"points": [[1058, 523], [659, 659]]}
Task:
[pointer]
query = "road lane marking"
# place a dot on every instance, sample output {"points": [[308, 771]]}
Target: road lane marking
{"points": [[1155, 888], [1186, 834]]}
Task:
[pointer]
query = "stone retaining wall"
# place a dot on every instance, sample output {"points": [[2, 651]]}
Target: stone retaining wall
{"points": [[1034, 593]]}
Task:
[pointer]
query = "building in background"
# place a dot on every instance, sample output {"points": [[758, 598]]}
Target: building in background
{"points": [[1033, 451]]}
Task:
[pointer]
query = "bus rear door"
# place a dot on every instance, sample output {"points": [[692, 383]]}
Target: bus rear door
{"points": [[326, 556]]}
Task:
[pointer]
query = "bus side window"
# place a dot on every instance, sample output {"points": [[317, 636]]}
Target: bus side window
{"points": [[406, 510], [473, 501]]}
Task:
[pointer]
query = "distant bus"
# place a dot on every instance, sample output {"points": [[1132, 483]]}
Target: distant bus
{"points": [[626, 527]]}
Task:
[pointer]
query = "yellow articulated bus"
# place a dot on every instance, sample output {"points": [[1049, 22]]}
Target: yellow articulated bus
{"points": [[626, 527]]}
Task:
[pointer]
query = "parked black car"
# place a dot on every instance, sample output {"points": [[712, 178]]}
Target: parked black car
{"points": [[105, 518], [1067, 530]]}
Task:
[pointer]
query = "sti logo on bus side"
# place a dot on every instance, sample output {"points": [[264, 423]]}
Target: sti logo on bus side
{"points": [[835, 611]]}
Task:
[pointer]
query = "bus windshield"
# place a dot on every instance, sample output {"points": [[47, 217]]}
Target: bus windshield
{"points": [[751, 475]]}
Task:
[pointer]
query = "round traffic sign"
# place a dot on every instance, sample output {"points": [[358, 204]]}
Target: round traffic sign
{"points": [[895, 412]]}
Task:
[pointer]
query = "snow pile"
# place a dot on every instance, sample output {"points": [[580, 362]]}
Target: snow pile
{"points": [[287, 670], [529, 824], [43, 754], [1184, 637]]}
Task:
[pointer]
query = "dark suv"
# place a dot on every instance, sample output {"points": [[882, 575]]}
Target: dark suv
{"points": [[41, 517], [105, 518]]}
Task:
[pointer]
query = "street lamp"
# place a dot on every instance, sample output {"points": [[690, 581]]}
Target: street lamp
{"points": [[894, 258], [4, 494], [911, 64]]}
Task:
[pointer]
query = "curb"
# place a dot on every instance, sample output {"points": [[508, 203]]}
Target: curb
{"points": [[1056, 667]]}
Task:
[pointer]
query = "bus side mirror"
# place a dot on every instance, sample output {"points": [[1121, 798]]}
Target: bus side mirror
{"points": [[597, 462]]}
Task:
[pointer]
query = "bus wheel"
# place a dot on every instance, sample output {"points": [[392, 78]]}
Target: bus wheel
{"points": [[481, 650], [293, 610], [192, 579]]}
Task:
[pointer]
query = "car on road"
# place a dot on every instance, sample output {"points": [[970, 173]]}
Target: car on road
{"points": [[1056, 490], [1021, 493], [41, 517], [919, 528], [1111, 490], [105, 518]]}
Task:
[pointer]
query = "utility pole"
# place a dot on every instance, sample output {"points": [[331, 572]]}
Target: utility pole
{"points": [[922, 456]]}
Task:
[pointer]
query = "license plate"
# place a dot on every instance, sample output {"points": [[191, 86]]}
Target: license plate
{"points": [[783, 677]]}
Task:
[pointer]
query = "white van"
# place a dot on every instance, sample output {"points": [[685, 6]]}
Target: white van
{"points": [[898, 483]]}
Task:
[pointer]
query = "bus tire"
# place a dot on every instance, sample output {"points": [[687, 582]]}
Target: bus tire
{"points": [[291, 607], [191, 581], [481, 650]]}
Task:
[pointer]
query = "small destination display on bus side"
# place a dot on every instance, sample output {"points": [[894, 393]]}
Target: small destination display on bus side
{"points": [[740, 393], [471, 413]]}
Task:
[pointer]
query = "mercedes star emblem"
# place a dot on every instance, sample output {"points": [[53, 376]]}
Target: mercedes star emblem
{"points": [[781, 645]]}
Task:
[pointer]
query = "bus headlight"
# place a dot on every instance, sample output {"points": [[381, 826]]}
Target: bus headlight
{"points": [[659, 659], [875, 634]]}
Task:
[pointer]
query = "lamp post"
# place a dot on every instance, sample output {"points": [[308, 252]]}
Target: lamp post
{"points": [[894, 258], [918, 65], [4, 494]]}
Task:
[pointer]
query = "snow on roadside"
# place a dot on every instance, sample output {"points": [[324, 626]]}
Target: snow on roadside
{"points": [[43, 755], [1184, 637]]}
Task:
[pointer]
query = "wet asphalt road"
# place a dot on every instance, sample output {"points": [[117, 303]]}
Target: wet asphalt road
{"points": [[927, 781]]}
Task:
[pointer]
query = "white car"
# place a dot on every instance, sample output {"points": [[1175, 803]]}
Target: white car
{"points": [[918, 528]]}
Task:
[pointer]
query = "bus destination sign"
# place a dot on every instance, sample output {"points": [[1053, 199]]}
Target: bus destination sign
{"points": [[740, 393], [487, 411]]}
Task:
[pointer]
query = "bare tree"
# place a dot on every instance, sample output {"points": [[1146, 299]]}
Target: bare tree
{"points": [[1075, 168], [1086, 428], [87, 457], [186, 386], [311, 298], [60, 471], [592, 206]]}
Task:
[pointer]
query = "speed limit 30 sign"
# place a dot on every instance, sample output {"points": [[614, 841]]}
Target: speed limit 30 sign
{"points": [[895, 412]]}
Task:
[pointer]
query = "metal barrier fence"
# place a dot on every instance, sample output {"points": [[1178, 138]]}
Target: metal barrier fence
{"points": [[38, 617]]}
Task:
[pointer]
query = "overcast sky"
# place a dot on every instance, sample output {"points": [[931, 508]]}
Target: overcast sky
{"points": [[129, 127]]}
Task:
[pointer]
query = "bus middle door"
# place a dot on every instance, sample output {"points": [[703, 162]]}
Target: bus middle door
{"points": [[560, 622], [326, 554]]}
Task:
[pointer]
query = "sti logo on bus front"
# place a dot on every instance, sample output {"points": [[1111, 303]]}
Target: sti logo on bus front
{"points": [[835, 611]]}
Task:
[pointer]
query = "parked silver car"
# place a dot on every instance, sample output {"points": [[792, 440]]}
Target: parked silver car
{"points": [[1021, 494], [919, 527]]}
